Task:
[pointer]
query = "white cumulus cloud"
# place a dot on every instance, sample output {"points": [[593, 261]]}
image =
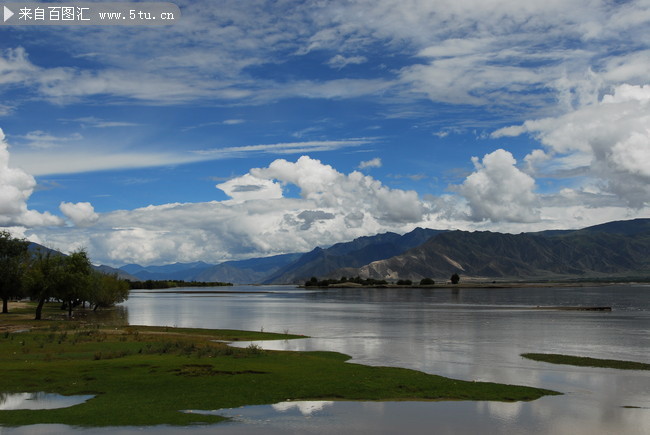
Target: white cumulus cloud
{"points": [[249, 187], [16, 186], [258, 220], [372, 163], [327, 187], [263, 217], [81, 214], [609, 140], [499, 191]]}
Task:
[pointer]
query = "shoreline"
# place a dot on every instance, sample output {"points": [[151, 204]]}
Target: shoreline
{"points": [[162, 371], [465, 285]]}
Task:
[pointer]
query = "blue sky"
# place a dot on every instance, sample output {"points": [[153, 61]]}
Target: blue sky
{"points": [[252, 128]]}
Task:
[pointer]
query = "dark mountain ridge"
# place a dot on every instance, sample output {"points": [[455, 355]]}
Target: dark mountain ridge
{"points": [[363, 250], [619, 248], [611, 249]]}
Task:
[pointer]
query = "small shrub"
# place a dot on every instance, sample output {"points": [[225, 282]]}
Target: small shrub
{"points": [[254, 349]]}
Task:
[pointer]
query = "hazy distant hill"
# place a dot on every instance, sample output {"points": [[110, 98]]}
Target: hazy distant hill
{"points": [[322, 262], [108, 270], [176, 271], [627, 228], [251, 271], [631, 227], [33, 247], [612, 249]]}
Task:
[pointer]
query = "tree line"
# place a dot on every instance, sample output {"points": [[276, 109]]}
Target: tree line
{"points": [[46, 275], [315, 282]]}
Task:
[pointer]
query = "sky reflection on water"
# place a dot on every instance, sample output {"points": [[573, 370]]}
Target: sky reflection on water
{"points": [[39, 401], [470, 334]]}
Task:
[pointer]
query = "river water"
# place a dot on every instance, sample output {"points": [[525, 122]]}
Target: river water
{"points": [[469, 334]]}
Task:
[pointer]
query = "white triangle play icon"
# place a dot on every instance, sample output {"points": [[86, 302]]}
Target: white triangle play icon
{"points": [[8, 13]]}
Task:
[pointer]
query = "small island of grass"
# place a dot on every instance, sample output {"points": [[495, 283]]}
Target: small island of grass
{"points": [[586, 361], [142, 375]]}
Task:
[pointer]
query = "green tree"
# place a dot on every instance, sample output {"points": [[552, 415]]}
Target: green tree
{"points": [[75, 283], [72, 280], [43, 278], [427, 281], [455, 279], [107, 290], [13, 255]]}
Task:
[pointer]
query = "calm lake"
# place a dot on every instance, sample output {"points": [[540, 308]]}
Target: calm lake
{"points": [[470, 334]]}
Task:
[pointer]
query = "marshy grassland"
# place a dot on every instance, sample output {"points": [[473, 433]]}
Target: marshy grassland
{"points": [[582, 361], [142, 375]]}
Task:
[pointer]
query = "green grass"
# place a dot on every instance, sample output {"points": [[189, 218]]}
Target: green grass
{"points": [[586, 361], [146, 375]]}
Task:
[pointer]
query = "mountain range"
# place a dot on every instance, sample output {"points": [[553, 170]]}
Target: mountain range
{"points": [[252, 271], [176, 271], [290, 268], [360, 251], [620, 248], [603, 251]]}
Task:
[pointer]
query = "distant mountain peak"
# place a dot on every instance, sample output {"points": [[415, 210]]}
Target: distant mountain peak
{"points": [[613, 249]]}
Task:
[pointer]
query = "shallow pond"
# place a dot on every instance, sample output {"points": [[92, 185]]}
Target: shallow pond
{"points": [[40, 400], [470, 334]]}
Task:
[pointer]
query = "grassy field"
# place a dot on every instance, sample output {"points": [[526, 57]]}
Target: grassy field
{"points": [[146, 375], [586, 361]]}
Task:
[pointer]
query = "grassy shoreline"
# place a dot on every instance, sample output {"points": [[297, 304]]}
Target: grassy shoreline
{"points": [[581, 361], [142, 375], [481, 284]]}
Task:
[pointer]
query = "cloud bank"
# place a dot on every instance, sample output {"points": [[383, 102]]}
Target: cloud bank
{"points": [[81, 214], [480, 52], [261, 218], [258, 219], [16, 186], [581, 91], [499, 191], [608, 142]]}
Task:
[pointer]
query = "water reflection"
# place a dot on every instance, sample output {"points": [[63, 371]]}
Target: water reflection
{"points": [[470, 334], [39, 400], [304, 407]]}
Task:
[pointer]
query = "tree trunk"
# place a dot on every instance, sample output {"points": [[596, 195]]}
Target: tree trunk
{"points": [[39, 308], [5, 305]]}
